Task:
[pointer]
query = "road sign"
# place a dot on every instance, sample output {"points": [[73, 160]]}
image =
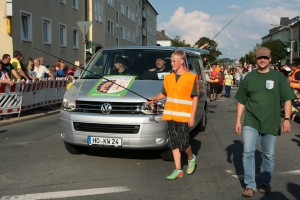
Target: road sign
{"points": [[84, 26]]}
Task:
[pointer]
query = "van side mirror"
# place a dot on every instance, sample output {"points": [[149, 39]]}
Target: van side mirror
{"points": [[77, 73]]}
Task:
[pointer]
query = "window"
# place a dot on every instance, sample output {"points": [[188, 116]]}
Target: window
{"points": [[133, 37], [75, 38], [128, 35], [133, 16], [117, 17], [110, 27], [123, 33], [128, 12], [62, 35], [117, 41], [26, 26], [62, 2], [98, 10], [110, 3], [75, 4], [47, 31], [123, 8]]}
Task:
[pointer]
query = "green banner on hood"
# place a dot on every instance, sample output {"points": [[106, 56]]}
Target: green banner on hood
{"points": [[111, 86]]}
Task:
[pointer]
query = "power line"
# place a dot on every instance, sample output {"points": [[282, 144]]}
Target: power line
{"points": [[232, 20]]}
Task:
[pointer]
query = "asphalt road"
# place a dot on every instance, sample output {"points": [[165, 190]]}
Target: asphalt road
{"points": [[35, 165]]}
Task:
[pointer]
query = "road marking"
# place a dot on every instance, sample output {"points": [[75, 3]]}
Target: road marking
{"points": [[241, 177], [66, 194]]}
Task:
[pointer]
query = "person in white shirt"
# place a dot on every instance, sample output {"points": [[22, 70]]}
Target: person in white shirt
{"points": [[40, 70]]}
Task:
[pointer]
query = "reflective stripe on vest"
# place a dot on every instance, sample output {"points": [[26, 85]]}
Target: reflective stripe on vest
{"points": [[187, 102], [179, 102], [293, 82]]}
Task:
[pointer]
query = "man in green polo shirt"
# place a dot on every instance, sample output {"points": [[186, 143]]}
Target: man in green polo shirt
{"points": [[260, 94]]}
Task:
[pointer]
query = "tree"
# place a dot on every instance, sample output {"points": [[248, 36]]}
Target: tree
{"points": [[177, 42], [277, 51], [212, 48]]}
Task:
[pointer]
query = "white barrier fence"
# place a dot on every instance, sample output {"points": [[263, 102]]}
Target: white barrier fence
{"points": [[25, 96]]}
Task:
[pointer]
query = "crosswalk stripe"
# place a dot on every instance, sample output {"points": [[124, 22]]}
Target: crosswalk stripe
{"points": [[67, 194]]}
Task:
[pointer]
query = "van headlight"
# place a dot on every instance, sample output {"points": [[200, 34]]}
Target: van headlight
{"points": [[68, 104], [157, 108]]}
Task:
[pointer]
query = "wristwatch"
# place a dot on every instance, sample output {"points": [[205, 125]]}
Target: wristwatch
{"points": [[287, 119]]}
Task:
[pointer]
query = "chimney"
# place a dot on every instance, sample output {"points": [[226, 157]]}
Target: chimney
{"points": [[163, 32], [284, 21]]}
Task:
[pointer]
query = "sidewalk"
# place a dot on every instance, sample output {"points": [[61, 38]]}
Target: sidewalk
{"points": [[29, 115]]}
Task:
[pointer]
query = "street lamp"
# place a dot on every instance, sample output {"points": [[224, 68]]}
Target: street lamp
{"points": [[291, 38]]}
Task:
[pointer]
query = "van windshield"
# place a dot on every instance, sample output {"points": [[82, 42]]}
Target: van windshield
{"points": [[142, 63]]}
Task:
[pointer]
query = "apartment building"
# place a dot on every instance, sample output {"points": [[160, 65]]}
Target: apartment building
{"points": [[286, 30], [51, 26]]}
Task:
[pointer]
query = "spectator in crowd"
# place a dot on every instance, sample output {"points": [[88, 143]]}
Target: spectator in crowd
{"points": [[228, 84], [213, 80], [221, 83], [61, 72], [295, 76], [72, 70], [7, 66], [40, 70], [52, 70], [57, 65], [15, 61], [4, 78], [23, 70], [237, 78], [260, 95], [30, 67], [42, 61]]}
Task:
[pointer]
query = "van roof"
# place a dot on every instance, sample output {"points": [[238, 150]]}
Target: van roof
{"points": [[188, 49]]}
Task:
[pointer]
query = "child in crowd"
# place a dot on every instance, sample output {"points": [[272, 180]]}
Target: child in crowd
{"points": [[4, 78]]}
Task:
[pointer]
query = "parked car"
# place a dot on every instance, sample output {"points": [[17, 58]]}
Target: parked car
{"points": [[107, 108]]}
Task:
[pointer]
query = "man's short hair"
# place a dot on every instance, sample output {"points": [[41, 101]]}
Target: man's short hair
{"points": [[5, 56], [294, 65], [17, 53]]}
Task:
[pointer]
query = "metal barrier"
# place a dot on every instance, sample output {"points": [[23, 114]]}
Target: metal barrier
{"points": [[10, 98], [25, 96], [34, 95], [55, 91]]}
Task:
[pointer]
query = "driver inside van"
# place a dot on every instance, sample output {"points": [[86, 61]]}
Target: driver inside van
{"points": [[160, 65], [120, 66]]}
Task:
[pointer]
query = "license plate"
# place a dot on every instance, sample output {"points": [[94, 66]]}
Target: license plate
{"points": [[105, 141]]}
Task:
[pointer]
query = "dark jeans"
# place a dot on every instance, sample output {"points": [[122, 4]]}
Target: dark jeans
{"points": [[227, 90]]}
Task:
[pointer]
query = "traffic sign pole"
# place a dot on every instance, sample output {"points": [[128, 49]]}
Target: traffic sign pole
{"points": [[84, 26]]}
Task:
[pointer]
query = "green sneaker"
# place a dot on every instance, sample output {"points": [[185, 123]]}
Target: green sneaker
{"points": [[191, 165], [175, 174]]}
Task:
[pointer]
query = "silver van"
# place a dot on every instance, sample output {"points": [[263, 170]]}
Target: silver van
{"points": [[107, 107]]}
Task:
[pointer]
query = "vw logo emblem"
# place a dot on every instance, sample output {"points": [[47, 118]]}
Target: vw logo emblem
{"points": [[106, 108]]}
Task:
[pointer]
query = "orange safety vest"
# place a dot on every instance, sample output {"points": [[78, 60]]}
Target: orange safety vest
{"points": [[179, 102], [293, 82]]}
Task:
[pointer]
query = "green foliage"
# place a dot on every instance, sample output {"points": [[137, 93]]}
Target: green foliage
{"points": [[277, 50], [177, 42], [212, 48]]}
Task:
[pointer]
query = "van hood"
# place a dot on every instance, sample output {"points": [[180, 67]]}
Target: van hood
{"points": [[83, 90]]}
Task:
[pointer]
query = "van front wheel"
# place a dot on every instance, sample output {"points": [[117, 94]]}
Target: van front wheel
{"points": [[203, 122], [73, 149], [166, 155]]}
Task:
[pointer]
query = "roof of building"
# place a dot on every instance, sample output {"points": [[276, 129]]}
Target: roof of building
{"points": [[160, 35]]}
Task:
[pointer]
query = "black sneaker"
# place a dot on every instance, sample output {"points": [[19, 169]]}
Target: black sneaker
{"points": [[264, 189]]}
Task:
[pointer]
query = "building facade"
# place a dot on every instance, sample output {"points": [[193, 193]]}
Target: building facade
{"points": [[287, 30], [51, 26]]}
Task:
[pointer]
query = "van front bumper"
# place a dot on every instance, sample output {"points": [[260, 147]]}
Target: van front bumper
{"points": [[152, 132]]}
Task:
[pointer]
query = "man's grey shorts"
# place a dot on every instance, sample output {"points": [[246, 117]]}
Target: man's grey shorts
{"points": [[178, 133]]}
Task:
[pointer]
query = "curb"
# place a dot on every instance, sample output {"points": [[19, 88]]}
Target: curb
{"points": [[16, 120]]}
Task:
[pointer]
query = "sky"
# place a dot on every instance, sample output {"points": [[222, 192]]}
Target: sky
{"points": [[193, 19]]}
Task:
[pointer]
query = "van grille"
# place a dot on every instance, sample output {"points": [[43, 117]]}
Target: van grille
{"points": [[106, 128], [117, 108]]}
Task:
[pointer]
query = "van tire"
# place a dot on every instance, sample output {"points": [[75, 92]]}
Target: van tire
{"points": [[167, 155], [203, 122], [73, 149]]}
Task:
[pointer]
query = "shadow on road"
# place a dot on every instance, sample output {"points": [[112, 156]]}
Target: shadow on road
{"points": [[296, 140], [3, 131], [235, 157], [294, 190]]}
